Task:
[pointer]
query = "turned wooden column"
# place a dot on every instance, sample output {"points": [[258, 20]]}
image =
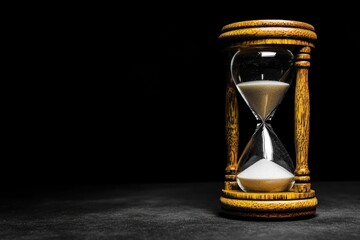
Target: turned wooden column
{"points": [[232, 134], [302, 120]]}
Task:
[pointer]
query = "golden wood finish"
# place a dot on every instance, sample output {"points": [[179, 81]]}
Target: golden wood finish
{"points": [[267, 196], [269, 206], [266, 23], [302, 187], [266, 32], [302, 118], [232, 126], [302, 179], [232, 134], [300, 201], [231, 185], [230, 177]]}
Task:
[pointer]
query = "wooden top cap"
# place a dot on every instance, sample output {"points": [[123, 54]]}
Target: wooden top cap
{"points": [[268, 29]]}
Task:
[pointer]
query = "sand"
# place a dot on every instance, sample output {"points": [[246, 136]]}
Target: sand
{"points": [[265, 176], [263, 96]]}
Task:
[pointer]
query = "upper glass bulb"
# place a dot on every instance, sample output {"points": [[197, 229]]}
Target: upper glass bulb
{"points": [[262, 75], [262, 63]]}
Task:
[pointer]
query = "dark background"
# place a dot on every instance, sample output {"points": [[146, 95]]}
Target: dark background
{"points": [[115, 94]]}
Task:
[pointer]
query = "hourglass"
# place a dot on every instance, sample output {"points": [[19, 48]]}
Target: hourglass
{"points": [[264, 59], [262, 77]]}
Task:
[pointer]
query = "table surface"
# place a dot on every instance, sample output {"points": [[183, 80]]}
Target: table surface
{"points": [[167, 211]]}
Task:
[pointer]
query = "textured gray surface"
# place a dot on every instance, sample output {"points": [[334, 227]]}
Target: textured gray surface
{"points": [[168, 211]]}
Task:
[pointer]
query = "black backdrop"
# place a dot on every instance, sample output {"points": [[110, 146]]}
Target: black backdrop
{"points": [[115, 94]]}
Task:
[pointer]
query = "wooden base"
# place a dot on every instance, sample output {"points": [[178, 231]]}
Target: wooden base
{"points": [[268, 205]]}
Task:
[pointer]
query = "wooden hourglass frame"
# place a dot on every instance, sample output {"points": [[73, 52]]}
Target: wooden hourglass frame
{"points": [[300, 200]]}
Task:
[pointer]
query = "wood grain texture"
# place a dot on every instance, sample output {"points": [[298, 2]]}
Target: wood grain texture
{"points": [[231, 185], [268, 29], [302, 117], [268, 32], [230, 177], [269, 206], [267, 196], [301, 179], [232, 126], [268, 22], [302, 187]]}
